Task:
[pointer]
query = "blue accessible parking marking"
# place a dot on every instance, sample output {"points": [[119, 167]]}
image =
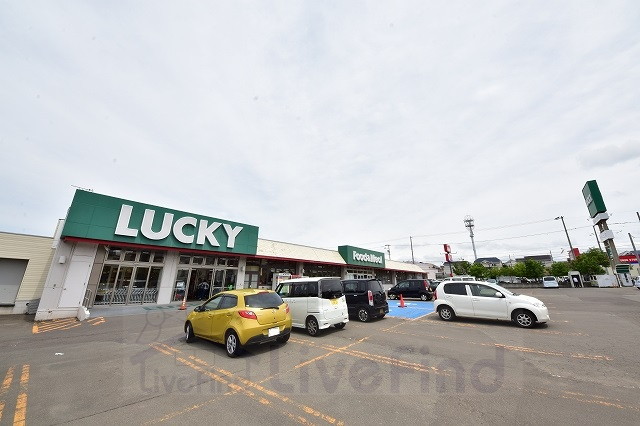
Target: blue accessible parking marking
{"points": [[413, 309]]}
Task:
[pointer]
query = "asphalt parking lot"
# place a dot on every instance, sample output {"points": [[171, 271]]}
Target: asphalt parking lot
{"points": [[581, 368]]}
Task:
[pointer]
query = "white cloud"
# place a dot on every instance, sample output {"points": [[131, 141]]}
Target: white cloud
{"points": [[326, 123], [610, 155]]}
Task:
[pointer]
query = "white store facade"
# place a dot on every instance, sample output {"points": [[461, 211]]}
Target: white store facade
{"points": [[110, 251]]}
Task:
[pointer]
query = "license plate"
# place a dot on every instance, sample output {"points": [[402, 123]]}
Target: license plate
{"points": [[382, 311], [334, 301], [274, 331]]}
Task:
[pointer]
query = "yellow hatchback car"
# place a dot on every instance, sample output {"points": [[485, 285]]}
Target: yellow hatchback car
{"points": [[239, 318]]}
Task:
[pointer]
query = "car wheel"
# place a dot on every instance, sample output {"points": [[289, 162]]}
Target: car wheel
{"points": [[424, 297], [312, 326], [363, 315], [392, 296], [340, 325], [188, 332], [524, 319], [283, 339], [233, 344], [446, 313]]}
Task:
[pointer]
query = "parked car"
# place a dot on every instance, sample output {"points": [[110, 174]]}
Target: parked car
{"points": [[485, 300], [239, 318], [315, 303], [365, 299], [550, 282], [433, 284], [411, 288], [460, 278]]}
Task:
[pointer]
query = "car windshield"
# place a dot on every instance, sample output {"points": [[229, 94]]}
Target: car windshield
{"points": [[263, 300]]}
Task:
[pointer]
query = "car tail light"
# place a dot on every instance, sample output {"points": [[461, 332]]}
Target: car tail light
{"points": [[370, 294], [425, 284], [435, 294], [287, 309], [248, 314]]}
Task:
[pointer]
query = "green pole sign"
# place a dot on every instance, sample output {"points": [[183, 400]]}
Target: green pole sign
{"points": [[99, 217], [593, 198], [361, 257], [621, 268]]}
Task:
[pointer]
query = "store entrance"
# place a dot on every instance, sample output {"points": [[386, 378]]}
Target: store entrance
{"points": [[202, 283], [199, 284]]}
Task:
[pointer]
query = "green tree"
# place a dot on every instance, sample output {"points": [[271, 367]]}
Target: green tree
{"points": [[478, 270], [559, 269], [519, 270], [461, 267], [493, 273], [591, 262], [506, 271], [533, 269]]}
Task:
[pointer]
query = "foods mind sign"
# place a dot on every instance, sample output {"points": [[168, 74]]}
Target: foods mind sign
{"points": [[361, 257], [100, 217]]}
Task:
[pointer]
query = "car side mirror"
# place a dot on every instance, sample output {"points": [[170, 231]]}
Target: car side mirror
{"points": [[498, 294], [197, 309]]}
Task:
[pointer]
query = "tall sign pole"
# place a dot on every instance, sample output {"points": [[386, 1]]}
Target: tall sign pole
{"points": [[599, 215], [448, 258]]}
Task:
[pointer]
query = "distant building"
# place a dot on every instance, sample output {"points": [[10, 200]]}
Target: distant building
{"points": [[545, 259], [430, 269], [489, 262]]}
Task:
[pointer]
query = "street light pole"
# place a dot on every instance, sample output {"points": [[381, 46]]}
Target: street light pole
{"points": [[571, 254]]}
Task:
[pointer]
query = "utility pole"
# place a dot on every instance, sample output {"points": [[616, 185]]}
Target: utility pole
{"points": [[634, 250], [597, 239], [411, 242], [388, 247], [468, 223], [571, 254]]}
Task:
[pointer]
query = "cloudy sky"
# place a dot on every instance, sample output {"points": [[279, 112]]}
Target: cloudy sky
{"points": [[329, 122]]}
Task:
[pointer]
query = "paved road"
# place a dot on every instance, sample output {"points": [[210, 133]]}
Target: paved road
{"points": [[580, 369]]}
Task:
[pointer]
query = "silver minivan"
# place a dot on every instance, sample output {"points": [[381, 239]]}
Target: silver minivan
{"points": [[315, 303]]}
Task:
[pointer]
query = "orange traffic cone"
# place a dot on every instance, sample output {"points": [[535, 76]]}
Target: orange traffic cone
{"points": [[183, 306], [401, 305]]}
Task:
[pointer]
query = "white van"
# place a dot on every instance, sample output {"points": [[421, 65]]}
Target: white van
{"points": [[315, 303], [550, 282]]}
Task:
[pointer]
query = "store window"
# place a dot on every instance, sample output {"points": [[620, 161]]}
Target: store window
{"points": [[129, 276], [384, 276], [360, 274], [316, 270], [270, 267]]}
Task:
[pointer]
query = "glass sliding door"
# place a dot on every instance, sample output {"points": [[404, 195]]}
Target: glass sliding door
{"points": [[122, 285], [106, 284], [151, 292], [139, 283], [182, 278]]}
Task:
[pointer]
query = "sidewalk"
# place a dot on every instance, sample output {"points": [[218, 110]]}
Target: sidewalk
{"points": [[125, 310]]}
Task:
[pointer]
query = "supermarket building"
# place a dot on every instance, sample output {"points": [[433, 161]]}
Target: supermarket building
{"points": [[110, 251]]}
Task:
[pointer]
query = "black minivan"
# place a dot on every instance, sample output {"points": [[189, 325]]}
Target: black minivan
{"points": [[411, 288], [365, 298]]}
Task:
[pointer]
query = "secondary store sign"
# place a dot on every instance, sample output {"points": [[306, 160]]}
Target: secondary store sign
{"points": [[100, 217], [361, 257]]}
